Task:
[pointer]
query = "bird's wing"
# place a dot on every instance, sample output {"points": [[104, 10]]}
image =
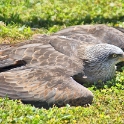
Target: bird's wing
{"points": [[79, 33], [45, 75], [32, 55], [119, 28], [94, 34], [45, 85], [4, 46], [67, 46]]}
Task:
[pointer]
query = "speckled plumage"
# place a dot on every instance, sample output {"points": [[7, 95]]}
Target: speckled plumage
{"points": [[41, 70]]}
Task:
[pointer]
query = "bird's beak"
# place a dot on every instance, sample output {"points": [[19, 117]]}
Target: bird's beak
{"points": [[122, 59]]}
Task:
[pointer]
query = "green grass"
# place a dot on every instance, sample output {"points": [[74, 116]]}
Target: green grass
{"points": [[20, 19], [46, 16]]}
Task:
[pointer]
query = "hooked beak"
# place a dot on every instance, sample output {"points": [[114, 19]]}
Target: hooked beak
{"points": [[122, 58]]}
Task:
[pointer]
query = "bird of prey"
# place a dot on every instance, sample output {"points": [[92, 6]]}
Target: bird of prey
{"points": [[43, 71], [97, 34]]}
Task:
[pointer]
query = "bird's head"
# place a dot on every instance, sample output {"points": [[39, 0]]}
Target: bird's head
{"points": [[100, 63]]}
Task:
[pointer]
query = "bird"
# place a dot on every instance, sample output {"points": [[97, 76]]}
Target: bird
{"points": [[42, 71]]}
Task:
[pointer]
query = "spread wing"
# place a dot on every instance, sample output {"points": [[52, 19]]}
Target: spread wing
{"points": [[43, 85], [37, 54], [38, 73], [95, 34]]}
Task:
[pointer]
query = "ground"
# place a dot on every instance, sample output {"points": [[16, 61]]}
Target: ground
{"points": [[20, 19]]}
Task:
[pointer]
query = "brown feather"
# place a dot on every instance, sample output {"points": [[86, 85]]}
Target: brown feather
{"points": [[43, 85], [41, 69]]}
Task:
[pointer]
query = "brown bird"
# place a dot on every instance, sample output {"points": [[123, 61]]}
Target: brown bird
{"points": [[99, 33], [41, 71]]}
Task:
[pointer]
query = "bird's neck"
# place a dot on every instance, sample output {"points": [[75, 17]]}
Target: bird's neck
{"points": [[99, 73]]}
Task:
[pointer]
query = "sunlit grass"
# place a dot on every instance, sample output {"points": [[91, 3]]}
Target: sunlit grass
{"points": [[20, 19]]}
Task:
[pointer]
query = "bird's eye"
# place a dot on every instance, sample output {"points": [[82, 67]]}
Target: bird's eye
{"points": [[114, 55]]}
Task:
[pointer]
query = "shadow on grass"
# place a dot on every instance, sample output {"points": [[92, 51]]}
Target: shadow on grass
{"points": [[100, 85], [37, 22], [108, 84]]}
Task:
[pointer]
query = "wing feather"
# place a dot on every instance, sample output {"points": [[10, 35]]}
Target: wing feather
{"points": [[94, 34], [46, 77], [58, 88]]}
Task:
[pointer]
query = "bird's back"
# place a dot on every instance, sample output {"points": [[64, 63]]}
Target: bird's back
{"points": [[95, 34]]}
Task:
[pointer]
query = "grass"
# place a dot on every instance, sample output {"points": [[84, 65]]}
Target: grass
{"points": [[20, 19], [108, 107]]}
